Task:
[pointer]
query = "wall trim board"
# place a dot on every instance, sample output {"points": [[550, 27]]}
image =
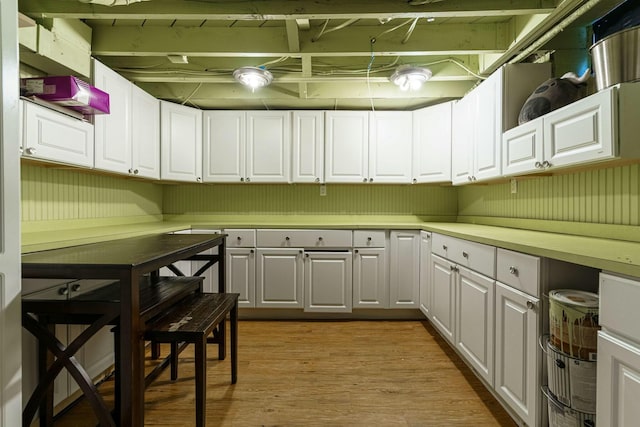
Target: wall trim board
{"points": [[629, 233], [75, 224]]}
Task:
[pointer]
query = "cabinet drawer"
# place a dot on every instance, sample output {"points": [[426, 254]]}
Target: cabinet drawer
{"points": [[476, 256], [369, 238], [519, 271], [304, 238], [240, 238], [619, 299]]}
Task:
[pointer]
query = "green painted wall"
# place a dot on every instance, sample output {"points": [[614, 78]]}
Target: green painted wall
{"points": [[50, 194], [302, 199], [603, 196]]}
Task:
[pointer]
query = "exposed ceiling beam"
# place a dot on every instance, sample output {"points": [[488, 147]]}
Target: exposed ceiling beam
{"points": [[282, 9], [274, 42]]}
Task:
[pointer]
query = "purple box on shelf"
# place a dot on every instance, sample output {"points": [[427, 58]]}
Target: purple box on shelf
{"points": [[69, 92]]}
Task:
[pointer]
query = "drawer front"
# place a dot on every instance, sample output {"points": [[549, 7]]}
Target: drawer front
{"points": [[240, 238], [619, 299], [519, 271], [442, 245], [304, 238], [369, 238], [476, 256]]}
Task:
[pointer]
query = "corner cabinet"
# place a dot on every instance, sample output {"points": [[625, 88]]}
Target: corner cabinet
{"points": [[181, 142], [404, 269], [599, 127], [247, 146], [425, 274], [55, 137], [432, 144], [484, 114]]}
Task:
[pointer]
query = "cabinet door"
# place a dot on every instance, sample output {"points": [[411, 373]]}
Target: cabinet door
{"points": [[618, 382], [474, 321], [224, 150], [181, 142], [308, 146], [432, 144], [487, 128], [517, 355], [390, 146], [56, 137], [581, 132], [113, 130], [268, 146], [462, 129], [443, 284], [241, 275], [279, 278], [404, 269], [145, 132], [370, 284], [346, 146], [328, 282], [522, 148], [425, 273]]}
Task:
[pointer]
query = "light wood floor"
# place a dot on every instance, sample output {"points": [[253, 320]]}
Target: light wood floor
{"points": [[316, 373]]}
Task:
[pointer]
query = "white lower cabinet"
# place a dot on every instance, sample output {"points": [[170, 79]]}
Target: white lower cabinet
{"points": [[474, 320], [279, 278], [241, 275], [404, 269], [328, 281], [516, 352], [425, 274], [618, 379], [443, 284], [370, 283]]}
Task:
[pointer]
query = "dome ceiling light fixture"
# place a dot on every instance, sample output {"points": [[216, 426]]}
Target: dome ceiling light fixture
{"points": [[253, 77], [410, 78]]}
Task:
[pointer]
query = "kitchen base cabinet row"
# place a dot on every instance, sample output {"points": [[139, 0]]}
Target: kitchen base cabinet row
{"points": [[488, 303]]}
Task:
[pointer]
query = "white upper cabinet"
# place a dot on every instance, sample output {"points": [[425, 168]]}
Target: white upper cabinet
{"points": [[127, 140], [55, 137], [113, 130], [181, 142], [268, 146], [390, 146], [224, 150], [308, 146], [596, 128], [481, 117], [346, 146], [366, 146], [247, 146], [145, 134], [432, 144]]}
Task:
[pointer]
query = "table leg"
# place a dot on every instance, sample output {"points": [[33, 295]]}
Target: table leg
{"points": [[234, 342]]}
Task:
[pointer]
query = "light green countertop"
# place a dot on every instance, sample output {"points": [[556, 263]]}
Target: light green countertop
{"points": [[606, 254]]}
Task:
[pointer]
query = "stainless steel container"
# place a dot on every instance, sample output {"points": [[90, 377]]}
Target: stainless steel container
{"points": [[616, 58]]}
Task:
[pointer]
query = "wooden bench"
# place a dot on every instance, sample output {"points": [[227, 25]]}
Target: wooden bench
{"points": [[192, 321]]}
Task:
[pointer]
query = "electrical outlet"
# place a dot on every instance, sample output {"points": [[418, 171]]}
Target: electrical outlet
{"points": [[514, 186], [323, 190]]}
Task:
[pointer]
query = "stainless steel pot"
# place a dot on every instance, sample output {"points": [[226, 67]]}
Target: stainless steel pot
{"points": [[616, 58]]}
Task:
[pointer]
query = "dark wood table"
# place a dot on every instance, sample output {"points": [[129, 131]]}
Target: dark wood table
{"points": [[131, 262]]}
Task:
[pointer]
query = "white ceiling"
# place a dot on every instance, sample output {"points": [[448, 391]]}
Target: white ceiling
{"points": [[324, 54]]}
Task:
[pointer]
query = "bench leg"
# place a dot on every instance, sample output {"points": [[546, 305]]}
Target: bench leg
{"points": [[201, 379], [222, 332], [234, 343], [174, 361], [155, 350]]}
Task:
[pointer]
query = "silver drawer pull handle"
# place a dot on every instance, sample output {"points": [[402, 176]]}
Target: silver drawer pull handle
{"points": [[465, 254], [63, 291], [75, 287], [239, 238], [513, 270], [287, 238], [444, 247], [531, 305], [369, 239], [320, 238]]}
